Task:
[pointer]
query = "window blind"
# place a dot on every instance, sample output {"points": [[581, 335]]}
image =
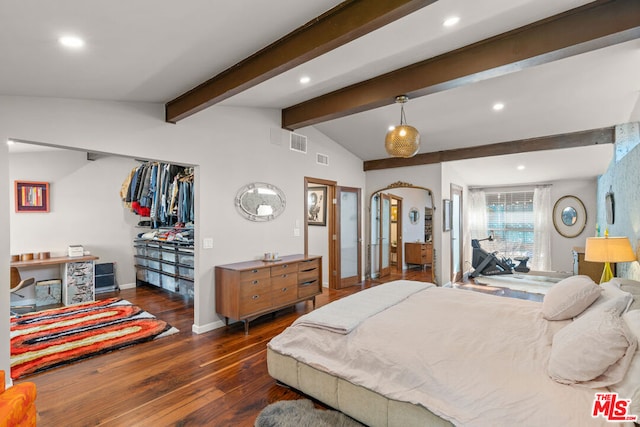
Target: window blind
{"points": [[510, 218]]}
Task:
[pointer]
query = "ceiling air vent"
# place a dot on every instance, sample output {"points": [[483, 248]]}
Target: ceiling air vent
{"points": [[298, 142], [322, 159]]}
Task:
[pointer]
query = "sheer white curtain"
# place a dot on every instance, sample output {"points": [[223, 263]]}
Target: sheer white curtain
{"points": [[541, 259], [477, 209]]}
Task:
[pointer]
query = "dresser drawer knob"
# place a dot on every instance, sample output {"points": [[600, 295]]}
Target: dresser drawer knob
{"points": [[285, 265], [255, 297], [254, 270], [255, 282], [284, 289]]}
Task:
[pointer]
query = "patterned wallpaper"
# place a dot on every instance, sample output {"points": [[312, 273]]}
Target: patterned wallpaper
{"points": [[623, 179]]}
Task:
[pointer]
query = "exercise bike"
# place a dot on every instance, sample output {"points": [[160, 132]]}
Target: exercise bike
{"points": [[488, 264]]}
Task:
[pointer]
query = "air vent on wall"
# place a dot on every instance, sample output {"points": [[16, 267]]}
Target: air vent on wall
{"points": [[298, 142], [322, 159]]}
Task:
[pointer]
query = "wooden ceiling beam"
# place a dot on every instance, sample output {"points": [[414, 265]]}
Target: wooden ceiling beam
{"points": [[340, 25], [553, 142], [589, 27]]}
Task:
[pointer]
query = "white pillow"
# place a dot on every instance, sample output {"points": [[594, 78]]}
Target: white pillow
{"points": [[569, 297], [629, 387], [595, 350], [631, 286], [611, 299]]}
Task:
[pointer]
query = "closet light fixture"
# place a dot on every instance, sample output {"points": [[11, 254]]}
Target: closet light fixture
{"points": [[402, 140]]}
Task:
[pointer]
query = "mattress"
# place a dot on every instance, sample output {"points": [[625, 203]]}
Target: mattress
{"points": [[392, 382]]}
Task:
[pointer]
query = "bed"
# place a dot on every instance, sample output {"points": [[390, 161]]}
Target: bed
{"points": [[412, 354]]}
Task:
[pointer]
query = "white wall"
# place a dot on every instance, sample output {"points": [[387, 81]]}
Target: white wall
{"points": [[85, 209], [4, 254], [586, 191], [230, 146]]}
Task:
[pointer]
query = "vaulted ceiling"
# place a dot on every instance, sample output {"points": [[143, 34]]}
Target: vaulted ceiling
{"points": [[561, 67]]}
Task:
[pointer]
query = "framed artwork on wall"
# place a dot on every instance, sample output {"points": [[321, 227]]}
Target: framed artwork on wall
{"points": [[31, 196], [446, 215], [317, 206]]}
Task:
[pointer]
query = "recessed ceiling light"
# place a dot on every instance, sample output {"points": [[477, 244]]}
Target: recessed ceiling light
{"points": [[498, 106], [520, 167], [71, 42], [305, 79], [451, 21]]}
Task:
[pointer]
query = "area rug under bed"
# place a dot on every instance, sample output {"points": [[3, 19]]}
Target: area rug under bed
{"points": [[50, 338]]}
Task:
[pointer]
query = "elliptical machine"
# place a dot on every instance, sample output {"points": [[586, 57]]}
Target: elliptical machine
{"points": [[488, 264]]}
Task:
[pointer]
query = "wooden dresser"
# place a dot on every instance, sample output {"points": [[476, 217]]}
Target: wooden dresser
{"points": [[419, 254], [246, 290]]}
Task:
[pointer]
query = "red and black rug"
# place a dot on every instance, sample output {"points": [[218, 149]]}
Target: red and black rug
{"points": [[50, 338]]}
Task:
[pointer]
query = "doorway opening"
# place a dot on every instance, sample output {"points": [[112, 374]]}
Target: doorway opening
{"points": [[399, 214]]}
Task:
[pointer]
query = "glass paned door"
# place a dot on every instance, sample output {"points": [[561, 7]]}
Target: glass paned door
{"points": [[385, 234], [348, 233]]}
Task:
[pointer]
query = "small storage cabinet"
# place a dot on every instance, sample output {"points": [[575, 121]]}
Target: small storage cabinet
{"points": [[247, 290], [168, 265], [419, 254]]}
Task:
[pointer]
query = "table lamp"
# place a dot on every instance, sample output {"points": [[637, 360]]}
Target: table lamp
{"points": [[608, 249]]}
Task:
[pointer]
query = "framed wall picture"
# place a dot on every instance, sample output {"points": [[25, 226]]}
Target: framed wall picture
{"points": [[446, 215], [317, 206], [32, 196]]}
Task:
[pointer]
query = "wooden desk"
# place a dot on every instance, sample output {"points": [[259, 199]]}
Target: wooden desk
{"points": [[51, 261], [78, 280]]}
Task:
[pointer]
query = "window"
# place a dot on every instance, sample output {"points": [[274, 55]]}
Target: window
{"points": [[510, 218]]}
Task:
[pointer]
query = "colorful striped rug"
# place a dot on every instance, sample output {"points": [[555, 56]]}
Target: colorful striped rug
{"points": [[50, 338]]}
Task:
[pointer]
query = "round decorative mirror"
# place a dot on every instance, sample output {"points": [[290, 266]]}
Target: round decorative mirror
{"points": [[414, 215], [569, 216], [260, 201]]}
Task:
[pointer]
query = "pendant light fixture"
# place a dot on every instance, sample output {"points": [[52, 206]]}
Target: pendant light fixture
{"points": [[403, 140]]}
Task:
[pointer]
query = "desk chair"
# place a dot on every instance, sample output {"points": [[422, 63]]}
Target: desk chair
{"points": [[17, 283]]}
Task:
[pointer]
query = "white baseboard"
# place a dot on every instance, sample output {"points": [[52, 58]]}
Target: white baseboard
{"points": [[196, 329], [127, 286]]}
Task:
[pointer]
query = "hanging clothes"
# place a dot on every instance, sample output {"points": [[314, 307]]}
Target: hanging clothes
{"points": [[160, 191]]}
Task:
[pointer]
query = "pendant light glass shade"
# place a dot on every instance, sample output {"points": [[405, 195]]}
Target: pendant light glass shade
{"points": [[403, 140]]}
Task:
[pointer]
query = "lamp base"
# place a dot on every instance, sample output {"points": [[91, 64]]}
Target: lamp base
{"points": [[607, 274]]}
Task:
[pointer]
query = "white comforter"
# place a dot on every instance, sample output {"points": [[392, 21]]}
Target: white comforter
{"points": [[471, 358]]}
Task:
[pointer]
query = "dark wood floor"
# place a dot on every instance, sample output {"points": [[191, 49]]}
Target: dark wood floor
{"points": [[215, 379]]}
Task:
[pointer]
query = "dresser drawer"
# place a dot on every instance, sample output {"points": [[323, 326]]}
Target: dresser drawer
{"points": [[284, 280], [309, 288], [256, 273], [256, 286], [308, 264], [255, 302], [284, 294], [277, 270], [307, 275]]}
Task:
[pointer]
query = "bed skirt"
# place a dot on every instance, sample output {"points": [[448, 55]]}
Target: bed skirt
{"points": [[359, 403]]}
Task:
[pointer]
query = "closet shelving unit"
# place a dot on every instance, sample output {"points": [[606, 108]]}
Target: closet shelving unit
{"points": [[165, 264]]}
